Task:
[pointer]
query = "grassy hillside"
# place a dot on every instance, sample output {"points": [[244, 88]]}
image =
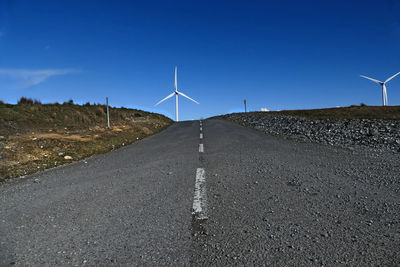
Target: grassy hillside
{"points": [[35, 136]]}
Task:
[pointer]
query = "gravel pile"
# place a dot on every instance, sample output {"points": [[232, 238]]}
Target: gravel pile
{"points": [[376, 134]]}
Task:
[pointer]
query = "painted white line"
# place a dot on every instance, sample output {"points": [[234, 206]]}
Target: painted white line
{"points": [[201, 136], [201, 148], [200, 195], [201, 129]]}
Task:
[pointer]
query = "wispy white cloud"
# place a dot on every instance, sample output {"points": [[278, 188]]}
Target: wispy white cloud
{"points": [[29, 78]]}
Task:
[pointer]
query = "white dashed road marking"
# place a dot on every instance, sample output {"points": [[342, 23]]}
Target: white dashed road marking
{"points": [[201, 148], [200, 195]]}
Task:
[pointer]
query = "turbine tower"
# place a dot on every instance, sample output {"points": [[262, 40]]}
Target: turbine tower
{"points": [[383, 84], [176, 93]]}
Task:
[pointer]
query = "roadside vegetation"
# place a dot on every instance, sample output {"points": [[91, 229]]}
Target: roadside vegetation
{"points": [[36, 136]]}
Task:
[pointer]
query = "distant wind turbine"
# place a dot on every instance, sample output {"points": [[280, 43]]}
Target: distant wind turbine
{"points": [[384, 93], [176, 93]]}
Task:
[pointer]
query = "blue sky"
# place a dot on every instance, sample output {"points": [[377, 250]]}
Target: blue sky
{"points": [[276, 54]]}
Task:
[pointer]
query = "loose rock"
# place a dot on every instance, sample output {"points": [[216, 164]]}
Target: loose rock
{"points": [[376, 134]]}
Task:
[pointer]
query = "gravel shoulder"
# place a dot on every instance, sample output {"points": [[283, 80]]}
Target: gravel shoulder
{"points": [[377, 134]]}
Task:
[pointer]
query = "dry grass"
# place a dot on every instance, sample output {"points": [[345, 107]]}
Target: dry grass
{"points": [[35, 137]]}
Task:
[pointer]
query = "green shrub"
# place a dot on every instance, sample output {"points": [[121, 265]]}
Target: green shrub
{"points": [[25, 101], [28, 101]]}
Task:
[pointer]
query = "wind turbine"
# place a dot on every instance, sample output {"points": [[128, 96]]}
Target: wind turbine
{"points": [[384, 93], [176, 93]]}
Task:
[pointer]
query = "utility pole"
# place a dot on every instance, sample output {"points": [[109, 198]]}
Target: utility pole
{"points": [[245, 107], [108, 114]]}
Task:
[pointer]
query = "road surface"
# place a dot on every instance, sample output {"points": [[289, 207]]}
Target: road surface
{"points": [[211, 194]]}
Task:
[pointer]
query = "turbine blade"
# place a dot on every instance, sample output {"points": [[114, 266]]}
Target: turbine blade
{"points": [[182, 94], [176, 78], [392, 77], [371, 79], [171, 95]]}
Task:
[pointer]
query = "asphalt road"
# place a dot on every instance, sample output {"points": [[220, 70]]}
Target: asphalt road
{"points": [[258, 200]]}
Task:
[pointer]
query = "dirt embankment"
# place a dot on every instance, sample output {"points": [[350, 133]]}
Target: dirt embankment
{"points": [[34, 137]]}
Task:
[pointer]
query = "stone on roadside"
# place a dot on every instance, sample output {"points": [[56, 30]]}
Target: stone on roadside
{"points": [[67, 157]]}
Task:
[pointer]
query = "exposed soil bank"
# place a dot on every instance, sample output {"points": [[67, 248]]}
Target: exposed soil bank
{"points": [[35, 137]]}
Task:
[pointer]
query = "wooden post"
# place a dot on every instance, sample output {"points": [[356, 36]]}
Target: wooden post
{"points": [[108, 114], [245, 107]]}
